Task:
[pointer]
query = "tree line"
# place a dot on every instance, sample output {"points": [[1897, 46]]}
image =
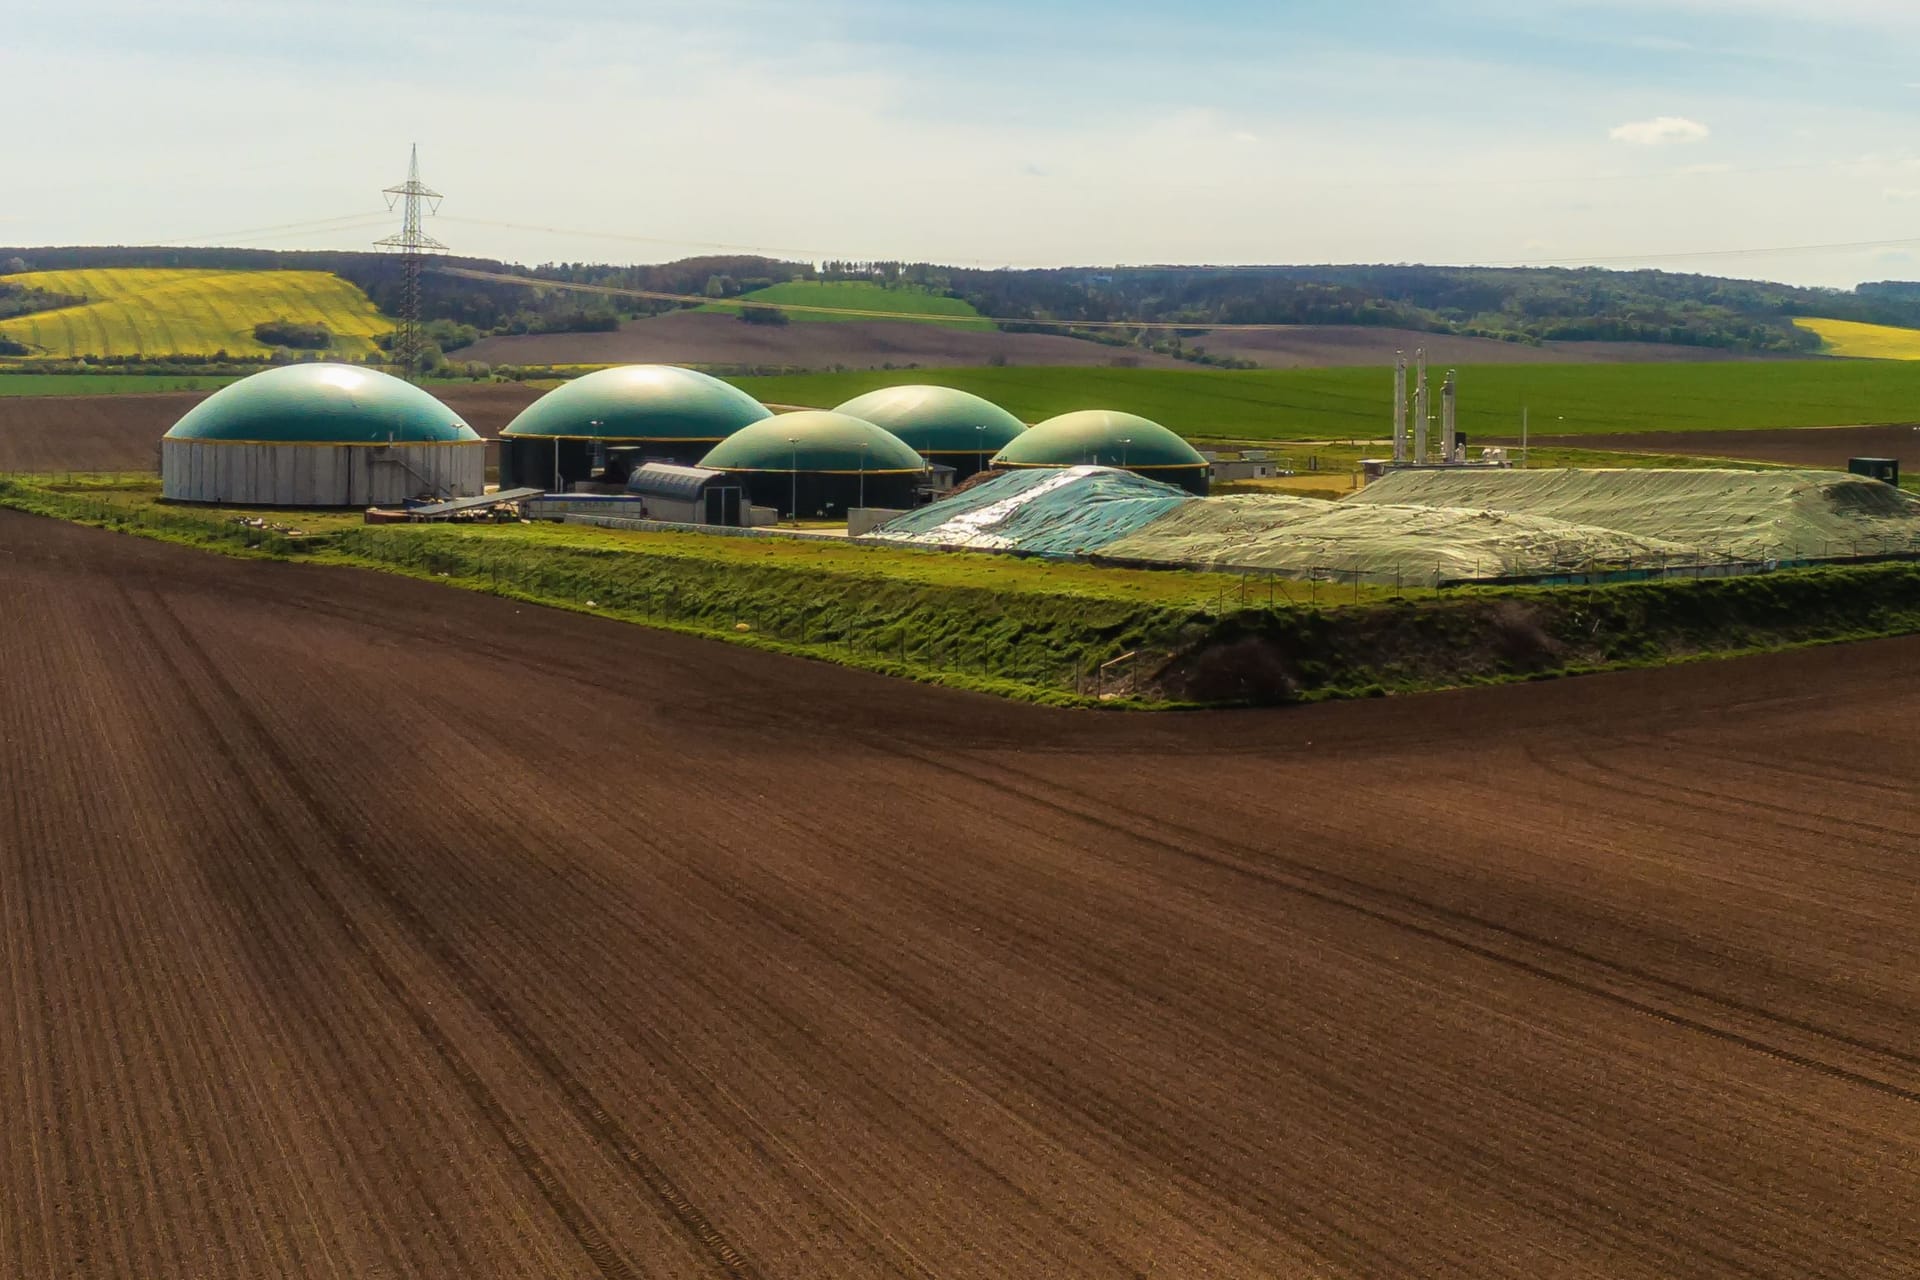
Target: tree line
{"points": [[1522, 304]]}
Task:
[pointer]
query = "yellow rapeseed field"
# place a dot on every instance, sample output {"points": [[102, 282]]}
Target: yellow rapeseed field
{"points": [[168, 311], [1865, 341]]}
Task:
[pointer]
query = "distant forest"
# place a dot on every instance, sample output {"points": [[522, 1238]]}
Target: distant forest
{"points": [[1514, 304]]}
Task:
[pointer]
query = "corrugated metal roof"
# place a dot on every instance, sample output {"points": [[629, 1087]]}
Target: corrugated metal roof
{"points": [[670, 480], [474, 504]]}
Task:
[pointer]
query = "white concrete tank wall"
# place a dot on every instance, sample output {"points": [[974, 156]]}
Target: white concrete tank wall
{"points": [[305, 475]]}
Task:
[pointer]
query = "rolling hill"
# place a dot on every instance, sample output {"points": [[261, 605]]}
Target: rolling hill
{"points": [[880, 302], [159, 312], [1864, 341]]}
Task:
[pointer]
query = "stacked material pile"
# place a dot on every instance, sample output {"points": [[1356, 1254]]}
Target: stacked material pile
{"points": [[1728, 515], [1310, 537], [1432, 527]]}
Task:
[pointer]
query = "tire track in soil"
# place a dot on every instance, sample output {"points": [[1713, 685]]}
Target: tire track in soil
{"points": [[727, 1259], [281, 973], [1131, 1022], [1362, 892]]}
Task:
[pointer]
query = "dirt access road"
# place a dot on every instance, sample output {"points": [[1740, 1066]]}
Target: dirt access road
{"points": [[352, 926]]}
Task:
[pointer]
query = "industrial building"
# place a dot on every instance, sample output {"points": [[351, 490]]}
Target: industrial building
{"points": [[688, 495], [947, 427], [604, 424], [1105, 438], [320, 435], [820, 464]]}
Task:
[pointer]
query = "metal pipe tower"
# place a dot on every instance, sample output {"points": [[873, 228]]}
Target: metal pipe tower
{"points": [[1420, 412], [409, 338], [1399, 406]]}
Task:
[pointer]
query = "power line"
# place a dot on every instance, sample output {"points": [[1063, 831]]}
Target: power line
{"points": [[1597, 260], [294, 228], [635, 239], [1572, 260], [409, 338]]}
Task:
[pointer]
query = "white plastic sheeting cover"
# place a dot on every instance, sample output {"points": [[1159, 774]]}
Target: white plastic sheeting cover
{"points": [[1745, 515], [1062, 512], [1374, 543]]}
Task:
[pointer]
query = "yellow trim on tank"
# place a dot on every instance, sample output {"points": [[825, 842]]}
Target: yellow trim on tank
{"points": [[334, 444], [540, 435], [817, 471]]}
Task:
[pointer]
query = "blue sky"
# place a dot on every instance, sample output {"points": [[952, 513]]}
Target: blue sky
{"points": [[1683, 134]]}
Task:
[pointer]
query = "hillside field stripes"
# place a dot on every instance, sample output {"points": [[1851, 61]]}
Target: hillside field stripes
{"points": [[1854, 339], [871, 299], [162, 312]]}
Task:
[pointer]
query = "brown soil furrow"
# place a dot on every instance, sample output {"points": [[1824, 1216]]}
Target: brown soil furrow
{"points": [[354, 926], [318, 810], [1367, 899]]}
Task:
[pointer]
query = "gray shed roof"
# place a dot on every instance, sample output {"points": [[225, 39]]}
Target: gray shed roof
{"points": [[671, 480]]}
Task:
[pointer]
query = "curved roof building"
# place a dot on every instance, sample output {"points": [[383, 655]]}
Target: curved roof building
{"points": [[817, 462], [943, 424], [320, 435], [637, 412], [1106, 438]]}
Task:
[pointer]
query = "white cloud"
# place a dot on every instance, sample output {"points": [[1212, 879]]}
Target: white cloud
{"points": [[1241, 135], [1659, 131]]}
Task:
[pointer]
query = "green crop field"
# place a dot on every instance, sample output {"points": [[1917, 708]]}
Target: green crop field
{"points": [[900, 302], [1335, 404], [108, 384], [160, 312]]}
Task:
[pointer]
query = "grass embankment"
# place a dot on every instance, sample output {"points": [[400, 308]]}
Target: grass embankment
{"points": [[1011, 627], [1354, 404], [1044, 631], [873, 301], [167, 312]]}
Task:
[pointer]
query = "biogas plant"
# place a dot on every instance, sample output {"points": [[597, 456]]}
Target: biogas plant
{"points": [[655, 447]]}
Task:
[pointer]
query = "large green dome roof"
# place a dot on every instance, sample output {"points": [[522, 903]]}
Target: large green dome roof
{"points": [[640, 402], [813, 440], [1099, 437], [322, 404], [937, 419]]}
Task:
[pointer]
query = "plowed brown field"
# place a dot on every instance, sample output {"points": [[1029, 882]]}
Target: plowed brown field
{"points": [[122, 433], [351, 926]]}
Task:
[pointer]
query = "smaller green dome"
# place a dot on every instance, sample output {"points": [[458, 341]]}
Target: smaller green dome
{"points": [[1099, 437], [660, 403], [813, 440], [322, 404], [937, 419]]}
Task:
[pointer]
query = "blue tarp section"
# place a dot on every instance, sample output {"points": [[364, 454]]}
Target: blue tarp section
{"points": [[1062, 511]]}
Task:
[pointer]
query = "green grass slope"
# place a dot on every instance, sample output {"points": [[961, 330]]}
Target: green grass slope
{"points": [[880, 302], [928, 616], [161, 312], [1321, 404]]}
